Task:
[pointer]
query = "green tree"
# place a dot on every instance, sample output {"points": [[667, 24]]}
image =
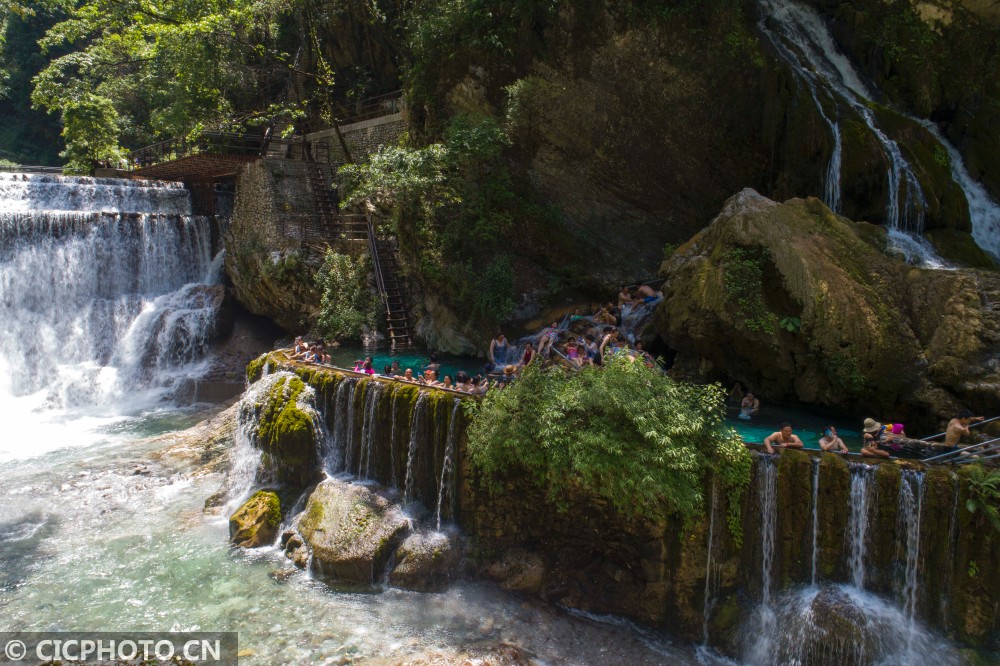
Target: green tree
{"points": [[347, 305], [624, 432]]}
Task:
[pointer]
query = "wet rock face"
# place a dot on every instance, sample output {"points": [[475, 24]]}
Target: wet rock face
{"points": [[426, 561], [803, 305], [256, 523], [351, 531]]}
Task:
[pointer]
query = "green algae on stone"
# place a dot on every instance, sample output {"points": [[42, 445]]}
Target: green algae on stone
{"points": [[256, 522]]}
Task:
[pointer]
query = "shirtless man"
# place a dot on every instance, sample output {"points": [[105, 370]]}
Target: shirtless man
{"points": [[831, 441], [624, 296], [959, 426], [784, 439]]}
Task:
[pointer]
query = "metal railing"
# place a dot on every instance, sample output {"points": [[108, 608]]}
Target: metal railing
{"points": [[23, 168], [210, 143], [374, 107]]}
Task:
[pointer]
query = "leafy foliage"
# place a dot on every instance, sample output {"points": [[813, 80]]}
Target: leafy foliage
{"points": [[791, 324], [453, 204], [743, 272], [984, 494], [625, 432], [347, 306]]}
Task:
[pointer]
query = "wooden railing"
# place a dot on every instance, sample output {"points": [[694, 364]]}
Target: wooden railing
{"points": [[23, 168]]}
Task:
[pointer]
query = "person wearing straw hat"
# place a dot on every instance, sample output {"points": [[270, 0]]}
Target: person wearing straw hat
{"points": [[872, 429]]}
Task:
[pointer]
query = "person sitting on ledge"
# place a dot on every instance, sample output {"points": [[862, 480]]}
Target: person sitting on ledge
{"points": [[624, 296], [527, 356], [429, 377], [387, 371], [407, 376], [749, 406], [869, 447], [446, 382], [831, 441], [958, 427], [784, 439], [463, 382]]}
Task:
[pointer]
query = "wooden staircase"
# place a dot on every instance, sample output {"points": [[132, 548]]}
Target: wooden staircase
{"points": [[391, 287]]}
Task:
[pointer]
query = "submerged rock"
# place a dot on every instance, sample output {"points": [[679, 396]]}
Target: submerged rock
{"points": [[518, 570], [426, 561], [256, 523], [351, 531]]}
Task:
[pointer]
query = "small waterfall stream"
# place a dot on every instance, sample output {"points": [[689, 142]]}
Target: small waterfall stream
{"points": [[709, 601], [761, 647], [815, 518], [447, 465], [911, 495], [862, 490], [416, 424]]}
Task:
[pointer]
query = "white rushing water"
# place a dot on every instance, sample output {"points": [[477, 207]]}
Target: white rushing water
{"points": [[104, 310], [862, 490], [802, 39]]}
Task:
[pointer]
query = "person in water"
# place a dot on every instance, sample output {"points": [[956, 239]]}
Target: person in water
{"points": [[548, 338], [737, 394], [958, 427], [872, 435], [784, 439], [749, 407], [499, 350], [624, 296], [831, 441], [528, 356]]}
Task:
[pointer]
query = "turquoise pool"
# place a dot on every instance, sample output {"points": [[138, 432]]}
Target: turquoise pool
{"points": [[417, 359], [807, 425]]}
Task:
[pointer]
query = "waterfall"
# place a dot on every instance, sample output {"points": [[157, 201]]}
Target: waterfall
{"points": [[762, 637], [393, 480], [709, 602], [911, 495], [333, 458], [369, 428], [416, 423], [984, 211], [449, 460], [105, 296], [802, 39], [862, 489], [346, 426], [815, 516]]}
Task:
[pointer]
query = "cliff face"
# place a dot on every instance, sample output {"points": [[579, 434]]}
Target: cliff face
{"points": [[805, 306]]}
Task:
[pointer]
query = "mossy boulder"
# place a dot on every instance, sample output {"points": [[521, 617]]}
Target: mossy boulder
{"points": [[256, 523], [351, 530], [279, 413], [426, 561], [804, 306]]}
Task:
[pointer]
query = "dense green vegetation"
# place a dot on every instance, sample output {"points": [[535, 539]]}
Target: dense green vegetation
{"points": [[457, 211], [627, 433], [347, 305]]}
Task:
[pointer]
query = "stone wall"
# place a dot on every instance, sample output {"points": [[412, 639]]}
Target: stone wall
{"points": [[362, 138], [276, 242]]}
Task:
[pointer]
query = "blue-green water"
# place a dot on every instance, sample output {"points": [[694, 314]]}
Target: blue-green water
{"points": [[417, 360], [807, 425]]}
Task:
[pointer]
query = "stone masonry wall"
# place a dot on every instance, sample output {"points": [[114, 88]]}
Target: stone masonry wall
{"points": [[362, 138]]}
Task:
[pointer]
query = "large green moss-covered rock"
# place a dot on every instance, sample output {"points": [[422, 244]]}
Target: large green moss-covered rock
{"points": [[803, 305], [256, 523], [351, 530], [279, 413]]}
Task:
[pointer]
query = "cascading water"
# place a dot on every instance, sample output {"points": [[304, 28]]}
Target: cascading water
{"points": [[393, 480], [448, 463], [105, 303], [416, 423], [862, 490], [762, 638], [369, 428], [800, 37], [911, 495], [815, 517], [334, 458], [709, 601]]}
